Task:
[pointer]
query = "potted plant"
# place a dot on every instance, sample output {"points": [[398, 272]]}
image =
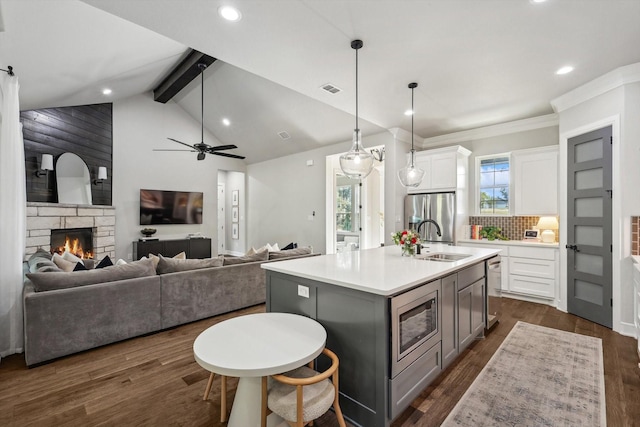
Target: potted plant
{"points": [[492, 233]]}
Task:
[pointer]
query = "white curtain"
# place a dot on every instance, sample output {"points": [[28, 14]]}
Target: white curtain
{"points": [[13, 207]]}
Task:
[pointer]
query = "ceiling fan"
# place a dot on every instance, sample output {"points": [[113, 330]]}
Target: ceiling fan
{"points": [[201, 148]]}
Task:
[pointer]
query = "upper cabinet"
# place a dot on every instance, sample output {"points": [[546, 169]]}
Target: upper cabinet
{"points": [[445, 169], [535, 181]]}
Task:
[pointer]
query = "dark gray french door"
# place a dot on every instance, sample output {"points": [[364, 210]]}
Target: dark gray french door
{"points": [[589, 226]]}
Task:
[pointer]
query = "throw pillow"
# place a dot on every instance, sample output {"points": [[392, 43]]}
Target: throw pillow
{"points": [[274, 248], [121, 261], [289, 246], [104, 262], [79, 267], [170, 265], [71, 257], [260, 255], [40, 262], [250, 251], [156, 259], [289, 253], [62, 280], [63, 264]]}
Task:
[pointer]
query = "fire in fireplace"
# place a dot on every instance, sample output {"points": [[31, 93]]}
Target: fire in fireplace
{"points": [[78, 241]]}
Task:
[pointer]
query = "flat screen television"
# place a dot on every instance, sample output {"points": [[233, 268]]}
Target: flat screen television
{"points": [[170, 207]]}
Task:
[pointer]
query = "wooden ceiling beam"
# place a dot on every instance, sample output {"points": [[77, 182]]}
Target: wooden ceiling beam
{"points": [[181, 76]]}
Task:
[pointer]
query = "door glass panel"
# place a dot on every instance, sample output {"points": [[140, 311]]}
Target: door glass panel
{"points": [[588, 263], [589, 292], [588, 235], [586, 151], [588, 207], [587, 179]]}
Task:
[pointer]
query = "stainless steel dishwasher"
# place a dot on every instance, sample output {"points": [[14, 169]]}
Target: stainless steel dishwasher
{"points": [[494, 279]]}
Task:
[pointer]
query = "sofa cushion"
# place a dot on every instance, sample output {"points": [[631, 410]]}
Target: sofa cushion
{"points": [[62, 280], [170, 265], [79, 267], [261, 255], [289, 253], [289, 246], [41, 262], [105, 262], [68, 256]]}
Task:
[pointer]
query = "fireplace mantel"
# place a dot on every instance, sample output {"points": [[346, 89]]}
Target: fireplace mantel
{"points": [[43, 217]]}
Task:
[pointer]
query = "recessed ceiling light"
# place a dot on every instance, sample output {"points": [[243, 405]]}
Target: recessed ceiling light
{"points": [[106, 91], [229, 13], [226, 122], [565, 70], [537, 1], [408, 113]]}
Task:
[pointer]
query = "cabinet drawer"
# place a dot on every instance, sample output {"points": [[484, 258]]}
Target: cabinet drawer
{"points": [[405, 387], [543, 288], [539, 268], [528, 252], [470, 275]]}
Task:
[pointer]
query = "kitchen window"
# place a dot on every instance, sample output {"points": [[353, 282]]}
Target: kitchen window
{"points": [[493, 188]]}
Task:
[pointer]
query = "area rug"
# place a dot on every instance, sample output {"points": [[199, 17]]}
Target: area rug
{"points": [[538, 377]]}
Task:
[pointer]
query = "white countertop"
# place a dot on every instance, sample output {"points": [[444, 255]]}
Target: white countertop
{"points": [[381, 271], [511, 243]]}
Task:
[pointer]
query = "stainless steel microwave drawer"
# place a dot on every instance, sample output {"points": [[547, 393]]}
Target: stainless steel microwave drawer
{"points": [[470, 275], [408, 384]]}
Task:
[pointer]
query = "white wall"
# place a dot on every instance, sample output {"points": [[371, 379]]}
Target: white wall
{"points": [[235, 181], [621, 105], [282, 193], [140, 125]]}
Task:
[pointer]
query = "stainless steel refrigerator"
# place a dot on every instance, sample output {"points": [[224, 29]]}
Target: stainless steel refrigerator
{"points": [[439, 207]]}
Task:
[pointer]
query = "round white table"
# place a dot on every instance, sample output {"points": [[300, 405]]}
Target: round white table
{"points": [[253, 346]]}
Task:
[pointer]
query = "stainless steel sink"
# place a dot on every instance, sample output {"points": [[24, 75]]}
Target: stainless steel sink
{"points": [[443, 256]]}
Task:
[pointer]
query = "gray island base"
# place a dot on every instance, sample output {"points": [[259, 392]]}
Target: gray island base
{"points": [[395, 322]]}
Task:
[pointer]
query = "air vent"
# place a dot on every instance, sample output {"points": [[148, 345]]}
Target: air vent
{"points": [[331, 88], [284, 135]]}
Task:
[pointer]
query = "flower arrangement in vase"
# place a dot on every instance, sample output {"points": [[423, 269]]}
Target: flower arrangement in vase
{"points": [[407, 239]]}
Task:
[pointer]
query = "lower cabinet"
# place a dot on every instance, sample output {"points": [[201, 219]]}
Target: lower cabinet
{"points": [[449, 320], [470, 313]]}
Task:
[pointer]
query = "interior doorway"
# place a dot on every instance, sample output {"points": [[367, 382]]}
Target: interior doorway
{"points": [[589, 226], [355, 208], [221, 218]]}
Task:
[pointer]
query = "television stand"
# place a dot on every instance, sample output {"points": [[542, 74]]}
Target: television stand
{"points": [[193, 248]]}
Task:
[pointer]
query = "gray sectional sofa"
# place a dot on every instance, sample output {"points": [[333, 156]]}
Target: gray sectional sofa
{"points": [[60, 320]]}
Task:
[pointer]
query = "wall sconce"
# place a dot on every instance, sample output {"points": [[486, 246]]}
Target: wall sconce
{"points": [[46, 165], [548, 224], [102, 175]]}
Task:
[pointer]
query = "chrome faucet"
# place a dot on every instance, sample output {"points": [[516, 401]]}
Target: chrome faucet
{"points": [[431, 221]]}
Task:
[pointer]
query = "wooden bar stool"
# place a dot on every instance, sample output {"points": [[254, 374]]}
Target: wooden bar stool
{"points": [[223, 394]]}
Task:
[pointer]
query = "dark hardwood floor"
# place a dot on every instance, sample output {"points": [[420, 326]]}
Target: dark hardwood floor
{"points": [[154, 380]]}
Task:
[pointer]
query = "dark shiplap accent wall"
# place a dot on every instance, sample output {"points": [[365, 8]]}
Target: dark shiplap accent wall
{"points": [[85, 130]]}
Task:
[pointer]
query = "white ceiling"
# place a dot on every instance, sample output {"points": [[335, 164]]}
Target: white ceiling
{"points": [[477, 63]]}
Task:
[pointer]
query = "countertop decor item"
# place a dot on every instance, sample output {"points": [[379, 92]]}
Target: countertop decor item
{"points": [[408, 240], [492, 233], [548, 224], [148, 232]]}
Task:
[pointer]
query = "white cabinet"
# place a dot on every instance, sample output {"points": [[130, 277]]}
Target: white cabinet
{"points": [[535, 181], [533, 271], [529, 271], [445, 169]]}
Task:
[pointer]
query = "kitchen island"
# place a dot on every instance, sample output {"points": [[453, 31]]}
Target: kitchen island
{"points": [[395, 322]]}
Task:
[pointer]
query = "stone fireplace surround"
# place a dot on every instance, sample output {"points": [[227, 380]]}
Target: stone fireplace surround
{"points": [[43, 217]]}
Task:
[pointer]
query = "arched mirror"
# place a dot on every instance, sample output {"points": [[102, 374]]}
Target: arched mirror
{"points": [[73, 179]]}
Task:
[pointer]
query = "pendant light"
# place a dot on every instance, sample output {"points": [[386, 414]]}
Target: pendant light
{"points": [[358, 162], [410, 175]]}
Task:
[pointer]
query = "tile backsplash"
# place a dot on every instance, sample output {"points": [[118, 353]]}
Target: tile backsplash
{"points": [[635, 235], [512, 226]]}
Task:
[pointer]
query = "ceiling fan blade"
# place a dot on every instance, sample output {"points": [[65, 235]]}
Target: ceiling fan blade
{"points": [[233, 156], [169, 149], [180, 142], [220, 148]]}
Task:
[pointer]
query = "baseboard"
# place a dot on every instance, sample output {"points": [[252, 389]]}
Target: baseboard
{"points": [[627, 329]]}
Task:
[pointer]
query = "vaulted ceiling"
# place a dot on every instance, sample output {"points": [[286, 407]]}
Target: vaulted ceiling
{"points": [[477, 63]]}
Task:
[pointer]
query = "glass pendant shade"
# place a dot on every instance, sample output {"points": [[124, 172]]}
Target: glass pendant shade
{"points": [[411, 175], [357, 163]]}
